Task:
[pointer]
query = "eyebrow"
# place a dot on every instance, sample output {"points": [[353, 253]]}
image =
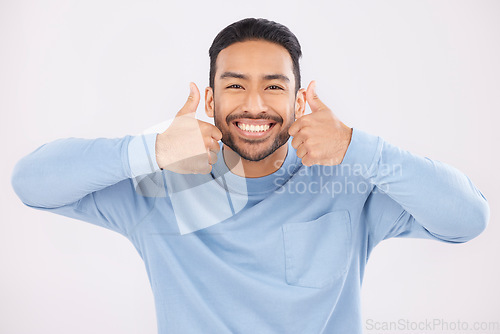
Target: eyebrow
{"points": [[245, 77]]}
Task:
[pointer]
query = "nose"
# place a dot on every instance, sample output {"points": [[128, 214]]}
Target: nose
{"points": [[254, 103]]}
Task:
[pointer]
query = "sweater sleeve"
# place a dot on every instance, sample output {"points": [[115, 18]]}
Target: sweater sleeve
{"points": [[93, 180], [414, 196]]}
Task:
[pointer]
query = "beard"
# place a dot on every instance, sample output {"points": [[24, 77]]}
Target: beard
{"points": [[251, 151]]}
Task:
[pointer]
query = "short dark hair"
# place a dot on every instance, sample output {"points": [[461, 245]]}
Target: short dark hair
{"points": [[255, 29]]}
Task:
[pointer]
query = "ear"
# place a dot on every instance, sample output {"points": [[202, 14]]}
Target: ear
{"points": [[300, 103], [209, 102]]}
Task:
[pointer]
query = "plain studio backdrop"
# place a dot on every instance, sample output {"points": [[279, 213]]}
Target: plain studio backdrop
{"points": [[423, 75]]}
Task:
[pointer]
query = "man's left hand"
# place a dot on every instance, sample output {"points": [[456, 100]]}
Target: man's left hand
{"points": [[320, 138]]}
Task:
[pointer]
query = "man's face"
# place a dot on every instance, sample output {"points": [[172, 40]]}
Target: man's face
{"points": [[254, 101]]}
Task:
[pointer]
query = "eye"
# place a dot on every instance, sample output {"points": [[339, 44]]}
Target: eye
{"points": [[232, 86], [276, 87]]}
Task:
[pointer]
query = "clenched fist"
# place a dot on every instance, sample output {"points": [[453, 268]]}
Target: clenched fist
{"points": [[320, 138], [188, 145]]}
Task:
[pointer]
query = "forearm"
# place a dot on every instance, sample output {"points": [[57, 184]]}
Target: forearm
{"points": [[440, 197], [65, 170]]}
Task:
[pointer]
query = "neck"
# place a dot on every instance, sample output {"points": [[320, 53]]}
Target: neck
{"points": [[246, 168]]}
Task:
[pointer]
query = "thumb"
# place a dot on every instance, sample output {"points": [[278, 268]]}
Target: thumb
{"points": [[189, 108], [313, 99]]}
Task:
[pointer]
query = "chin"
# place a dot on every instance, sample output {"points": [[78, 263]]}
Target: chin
{"points": [[256, 151]]}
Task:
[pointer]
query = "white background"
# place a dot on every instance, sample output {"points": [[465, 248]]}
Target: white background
{"points": [[424, 75]]}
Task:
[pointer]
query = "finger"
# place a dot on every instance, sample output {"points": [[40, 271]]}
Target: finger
{"points": [[189, 108], [295, 127], [312, 98], [201, 164], [216, 133], [212, 157], [307, 161], [301, 151], [206, 169], [213, 145], [305, 132], [297, 140]]}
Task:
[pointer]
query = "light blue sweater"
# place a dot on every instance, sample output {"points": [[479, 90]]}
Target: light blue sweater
{"points": [[283, 253]]}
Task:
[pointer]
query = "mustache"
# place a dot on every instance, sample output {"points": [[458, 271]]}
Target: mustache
{"points": [[232, 117]]}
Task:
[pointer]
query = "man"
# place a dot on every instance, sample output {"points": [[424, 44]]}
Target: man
{"points": [[264, 222]]}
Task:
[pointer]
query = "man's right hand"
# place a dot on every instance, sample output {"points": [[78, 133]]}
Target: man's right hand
{"points": [[188, 146]]}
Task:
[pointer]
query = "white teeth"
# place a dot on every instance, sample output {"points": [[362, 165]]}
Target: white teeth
{"points": [[253, 128]]}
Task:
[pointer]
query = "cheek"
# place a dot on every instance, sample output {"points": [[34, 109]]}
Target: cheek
{"points": [[222, 107], [290, 117], [277, 99], [226, 103], [282, 104]]}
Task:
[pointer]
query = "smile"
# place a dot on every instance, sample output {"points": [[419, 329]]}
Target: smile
{"points": [[254, 128]]}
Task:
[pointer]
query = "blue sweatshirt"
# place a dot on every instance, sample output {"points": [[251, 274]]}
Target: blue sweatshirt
{"points": [[283, 253]]}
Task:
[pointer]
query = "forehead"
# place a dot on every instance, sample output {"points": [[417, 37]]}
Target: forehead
{"points": [[257, 57]]}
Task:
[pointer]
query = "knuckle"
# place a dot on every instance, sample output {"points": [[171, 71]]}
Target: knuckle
{"points": [[305, 119], [208, 141], [306, 143], [305, 131], [313, 154]]}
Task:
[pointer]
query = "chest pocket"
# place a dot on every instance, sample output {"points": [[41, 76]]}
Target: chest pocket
{"points": [[317, 252]]}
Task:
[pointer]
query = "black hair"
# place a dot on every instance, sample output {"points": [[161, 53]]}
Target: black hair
{"points": [[255, 29]]}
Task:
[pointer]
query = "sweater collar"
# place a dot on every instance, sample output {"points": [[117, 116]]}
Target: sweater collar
{"points": [[255, 185]]}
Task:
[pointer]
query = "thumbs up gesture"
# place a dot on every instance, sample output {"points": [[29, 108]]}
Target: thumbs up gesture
{"points": [[320, 138], [188, 145]]}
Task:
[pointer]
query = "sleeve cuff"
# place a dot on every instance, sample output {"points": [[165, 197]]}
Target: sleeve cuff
{"points": [[363, 152], [142, 154]]}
